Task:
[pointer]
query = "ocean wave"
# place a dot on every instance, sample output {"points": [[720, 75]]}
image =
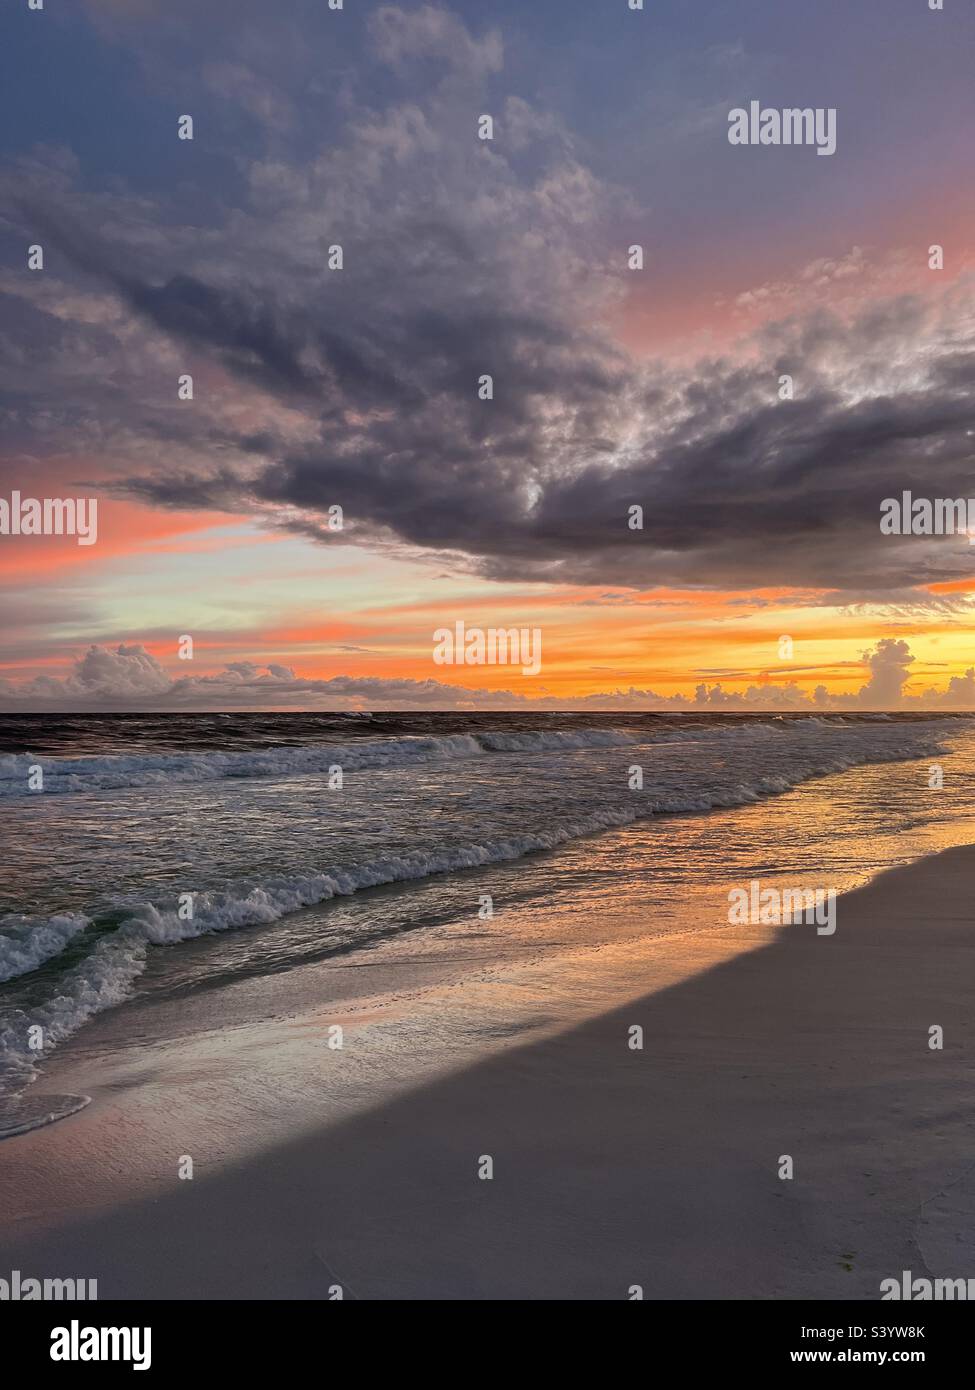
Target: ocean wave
{"points": [[119, 771], [25, 943], [107, 975]]}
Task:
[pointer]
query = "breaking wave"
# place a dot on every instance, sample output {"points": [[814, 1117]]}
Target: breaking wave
{"points": [[114, 772], [104, 975]]}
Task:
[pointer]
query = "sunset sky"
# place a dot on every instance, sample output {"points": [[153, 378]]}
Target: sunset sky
{"points": [[359, 387]]}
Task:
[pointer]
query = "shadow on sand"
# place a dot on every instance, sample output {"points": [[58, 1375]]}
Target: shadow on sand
{"points": [[614, 1167]]}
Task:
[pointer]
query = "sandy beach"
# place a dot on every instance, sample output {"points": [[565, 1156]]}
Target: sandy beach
{"points": [[612, 1167]]}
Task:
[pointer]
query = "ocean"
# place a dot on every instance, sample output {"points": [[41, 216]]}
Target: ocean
{"points": [[161, 856]]}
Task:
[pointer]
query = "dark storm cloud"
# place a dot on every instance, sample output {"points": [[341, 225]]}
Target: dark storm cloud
{"points": [[736, 490], [464, 259]]}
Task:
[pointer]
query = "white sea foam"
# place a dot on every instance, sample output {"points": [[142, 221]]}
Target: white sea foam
{"points": [[26, 943], [711, 766], [120, 771], [106, 976], [113, 772]]}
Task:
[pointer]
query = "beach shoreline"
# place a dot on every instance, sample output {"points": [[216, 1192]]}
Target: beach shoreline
{"points": [[614, 1169]]}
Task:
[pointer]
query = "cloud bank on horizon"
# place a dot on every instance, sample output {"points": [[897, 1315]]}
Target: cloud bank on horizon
{"points": [[130, 678]]}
